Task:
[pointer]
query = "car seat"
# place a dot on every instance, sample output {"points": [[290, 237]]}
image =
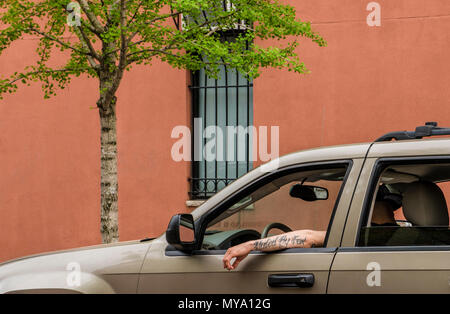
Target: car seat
{"points": [[424, 204]]}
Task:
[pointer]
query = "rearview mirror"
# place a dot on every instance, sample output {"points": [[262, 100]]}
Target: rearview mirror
{"points": [[308, 193], [181, 232]]}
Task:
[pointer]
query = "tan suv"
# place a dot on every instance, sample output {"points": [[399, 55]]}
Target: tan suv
{"points": [[341, 185]]}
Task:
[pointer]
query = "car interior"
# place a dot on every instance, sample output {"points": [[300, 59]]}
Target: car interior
{"points": [[423, 218], [300, 188]]}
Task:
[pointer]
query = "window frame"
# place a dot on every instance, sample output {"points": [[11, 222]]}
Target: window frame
{"points": [[202, 222], [379, 166], [195, 88]]}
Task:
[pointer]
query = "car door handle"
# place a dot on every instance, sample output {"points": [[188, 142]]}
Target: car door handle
{"points": [[291, 280]]}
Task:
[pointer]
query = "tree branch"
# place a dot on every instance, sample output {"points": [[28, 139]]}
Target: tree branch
{"points": [[123, 37], [105, 11], [156, 52], [26, 75], [88, 43], [84, 39], [207, 22], [91, 16], [64, 44], [154, 20], [89, 27], [136, 12]]}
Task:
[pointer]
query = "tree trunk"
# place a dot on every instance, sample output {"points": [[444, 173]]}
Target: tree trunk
{"points": [[109, 184]]}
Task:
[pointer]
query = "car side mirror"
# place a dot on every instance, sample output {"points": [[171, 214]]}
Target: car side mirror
{"points": [[308, 193], [181, 232]]}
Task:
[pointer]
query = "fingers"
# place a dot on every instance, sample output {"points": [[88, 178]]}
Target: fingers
{"points": [[237, 261], [229, 255], [226, 260]]}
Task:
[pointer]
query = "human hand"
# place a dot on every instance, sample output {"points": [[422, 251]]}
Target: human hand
{"points": [[239, 252]]}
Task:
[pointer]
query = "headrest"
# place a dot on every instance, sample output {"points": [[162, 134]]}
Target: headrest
{"points": [[394, 199], [424, 204]]}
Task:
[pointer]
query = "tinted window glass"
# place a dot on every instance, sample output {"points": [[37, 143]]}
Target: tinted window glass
{"points": [[409, 206]]}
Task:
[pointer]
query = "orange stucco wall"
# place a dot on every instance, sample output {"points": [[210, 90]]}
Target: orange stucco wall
{"points": [[50, 159], [368, 81]]}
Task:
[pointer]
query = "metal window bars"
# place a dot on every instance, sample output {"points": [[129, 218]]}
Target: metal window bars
{"points": [[223, 102], [182, 21]]}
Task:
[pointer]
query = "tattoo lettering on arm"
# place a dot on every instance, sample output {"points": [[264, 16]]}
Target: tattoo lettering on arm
{"points": [[299, 241], [284, 241], [293, 239], [279, 243], [268, 243]]}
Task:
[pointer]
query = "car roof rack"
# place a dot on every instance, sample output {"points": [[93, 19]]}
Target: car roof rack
{"points": [[429, 129]]}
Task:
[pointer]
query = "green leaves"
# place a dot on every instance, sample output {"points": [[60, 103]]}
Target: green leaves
{"points": [[113, 35]]}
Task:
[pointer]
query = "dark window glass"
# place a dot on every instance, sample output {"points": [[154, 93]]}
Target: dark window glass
{"points": [[408, 205]]}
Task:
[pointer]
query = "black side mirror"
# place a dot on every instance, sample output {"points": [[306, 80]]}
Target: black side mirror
{"points": [[181, 232], [308, 193]]}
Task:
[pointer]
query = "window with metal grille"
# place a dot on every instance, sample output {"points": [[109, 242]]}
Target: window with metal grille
{"points": [[223, 102]]}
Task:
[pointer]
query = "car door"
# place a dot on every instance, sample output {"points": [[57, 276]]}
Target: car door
{"points": [[416, 258], [166, 270]]}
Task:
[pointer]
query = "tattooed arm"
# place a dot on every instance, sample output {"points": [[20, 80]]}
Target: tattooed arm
{"points": [[294, 239]]}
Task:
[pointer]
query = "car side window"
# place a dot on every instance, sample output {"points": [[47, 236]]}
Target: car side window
{"points": [[408, 206], [295, 201]]}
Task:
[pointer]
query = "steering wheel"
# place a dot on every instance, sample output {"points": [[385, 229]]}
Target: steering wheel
{"points": [[277, 225]]}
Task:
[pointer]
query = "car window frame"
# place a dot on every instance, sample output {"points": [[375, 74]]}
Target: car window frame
{"points": [[202, 222], [379, 166]]}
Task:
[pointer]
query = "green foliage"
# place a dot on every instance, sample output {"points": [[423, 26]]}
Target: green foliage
{"points": [[114, 35]]}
